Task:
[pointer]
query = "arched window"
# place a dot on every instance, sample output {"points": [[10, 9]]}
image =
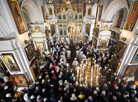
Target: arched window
{"points": [[120, 18], [89, 11], [61, 32], [50, 11]]}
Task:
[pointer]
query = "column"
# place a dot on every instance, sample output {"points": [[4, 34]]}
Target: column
{"points": [[91, 31], [57, 30]]}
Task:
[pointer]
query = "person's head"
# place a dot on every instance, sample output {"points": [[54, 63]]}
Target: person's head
{"points": [[39, 99], [53, 95], [81, 93], [114, 97], [105, 85], [90, 97], [37, 87]]}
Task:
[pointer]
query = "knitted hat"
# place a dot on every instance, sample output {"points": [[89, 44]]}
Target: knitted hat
{"points": [[32, 97], [8, 95], [95, 92], [38, 97]]}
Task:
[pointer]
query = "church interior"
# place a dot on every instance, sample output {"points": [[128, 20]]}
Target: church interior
{"points": [[68, 51]]}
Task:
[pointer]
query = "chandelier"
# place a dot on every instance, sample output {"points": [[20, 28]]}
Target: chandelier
{"points": [[88, 74], [68, 1], [74, 31]]}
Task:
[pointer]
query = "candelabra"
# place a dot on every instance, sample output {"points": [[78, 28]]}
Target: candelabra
{"points": [[88, 73]]}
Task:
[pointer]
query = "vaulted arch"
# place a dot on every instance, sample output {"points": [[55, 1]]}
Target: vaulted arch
{"points": [[113, 7], [94, 9], [31, 10]]}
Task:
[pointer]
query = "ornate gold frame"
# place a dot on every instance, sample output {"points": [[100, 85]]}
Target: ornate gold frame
{"points": [[105, 28], [135, 4], [18, 18], [37, 27]]}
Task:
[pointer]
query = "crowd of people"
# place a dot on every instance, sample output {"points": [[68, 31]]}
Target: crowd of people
{"points": [[57, 81]]}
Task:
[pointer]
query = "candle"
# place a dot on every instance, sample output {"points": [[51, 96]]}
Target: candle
{"points": [[91, 81], [86, 80]]}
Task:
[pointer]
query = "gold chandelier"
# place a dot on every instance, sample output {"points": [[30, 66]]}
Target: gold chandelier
{"points": [[68, 1], [74, 33]]}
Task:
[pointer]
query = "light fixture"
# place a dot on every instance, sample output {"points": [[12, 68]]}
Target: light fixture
{"points": [[123, 37], [26, 41], [68, 1]]}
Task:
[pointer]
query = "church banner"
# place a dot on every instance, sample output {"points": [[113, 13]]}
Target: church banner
{"points": [[17, 15], [132, 17]]}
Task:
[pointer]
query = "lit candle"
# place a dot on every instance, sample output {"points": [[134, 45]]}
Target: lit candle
{"points": [[91, 81], [86, 80]]}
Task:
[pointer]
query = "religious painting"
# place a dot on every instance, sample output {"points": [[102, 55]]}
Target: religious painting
{"points": [[2, 65], [113, 34], [44, 16], [130, 71], [64, 16], [40, 46], [69, 28], [103, 44], [35, 69], [50, 11], [117, 37], [132, 17], [121, 15], [11, 63], [135, 58], [89, 11], [97, 32], [111, 42], [19, 80], [52, 29], [95, 43], [59, 16], [100, 13], [17, 15], [88, 29], [29, 51], [80, 16], [120, 48], [70, 15]]}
